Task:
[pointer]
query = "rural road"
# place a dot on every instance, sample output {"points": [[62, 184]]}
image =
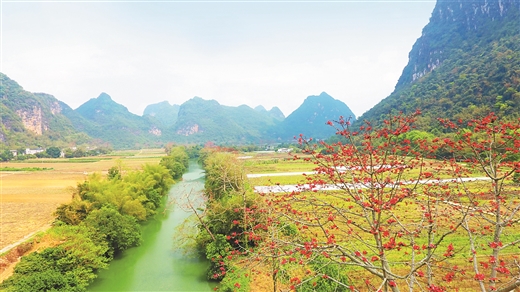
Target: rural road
{"points": [[331, 187]]}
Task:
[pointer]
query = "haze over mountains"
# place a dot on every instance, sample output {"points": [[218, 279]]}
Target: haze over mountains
{"points": [[34, 119], [465, 64]]}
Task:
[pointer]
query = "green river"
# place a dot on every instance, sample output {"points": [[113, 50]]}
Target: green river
{"points": [[155, 265]]}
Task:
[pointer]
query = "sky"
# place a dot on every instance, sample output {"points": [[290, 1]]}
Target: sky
{"points": [[269, 53]]}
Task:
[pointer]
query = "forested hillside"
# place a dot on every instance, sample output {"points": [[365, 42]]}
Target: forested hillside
{"points": [[112, 122], [39, 119], [202, 120], [310, 119], [465, 64], [165, 113], [31, 120]]}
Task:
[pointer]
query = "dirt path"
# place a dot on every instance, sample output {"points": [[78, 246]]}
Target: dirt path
{"points": [[25, 238]]}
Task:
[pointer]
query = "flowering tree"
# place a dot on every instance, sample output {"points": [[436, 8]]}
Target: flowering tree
{"points": [[491, 147], [376, 209]]}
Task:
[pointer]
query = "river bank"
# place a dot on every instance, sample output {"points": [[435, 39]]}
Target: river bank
{"points": [[156, 265]]}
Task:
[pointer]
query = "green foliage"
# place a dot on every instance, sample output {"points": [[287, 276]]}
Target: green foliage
{"points": [[476, 68], [236, 280], [516, 177], [217, 252], [42, 155], [69, 266], [224, 174], [120, 231], [176, 162], [6, 155], [113, 173], [328, 277], [194, 151], [311, 118], [138, 193], [74, 212], [43, 271], [53, 152], [25, 168], [157, 181]]}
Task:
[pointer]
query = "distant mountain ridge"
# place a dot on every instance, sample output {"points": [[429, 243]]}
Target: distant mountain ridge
{"points": [[206, 120], [465, 64], [46, 121], [310, 119], [110, 121], [163, 112], [274, 112]]}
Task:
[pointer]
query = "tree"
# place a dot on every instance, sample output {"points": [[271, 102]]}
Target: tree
{"points": [[120, 231], [487, 145], [179, 154], [53, 152], [229, 211], [20, 151], [176, 168], [176, 162], [6, 155], [79, 152], [69, 265], [223, 175], [74, 212], [114, 173], [69, 153], [376, 209]]}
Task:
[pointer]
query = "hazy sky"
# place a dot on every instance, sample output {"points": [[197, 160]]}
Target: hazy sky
{"points": [[270, 53]]}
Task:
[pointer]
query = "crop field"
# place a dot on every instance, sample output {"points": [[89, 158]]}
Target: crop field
{"points": [[29, 198]]}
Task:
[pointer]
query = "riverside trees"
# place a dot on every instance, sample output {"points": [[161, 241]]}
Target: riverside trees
{"points": [[101, 220]]}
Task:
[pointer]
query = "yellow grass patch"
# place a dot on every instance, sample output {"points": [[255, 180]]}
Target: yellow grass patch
{"points": [[29, 198]]}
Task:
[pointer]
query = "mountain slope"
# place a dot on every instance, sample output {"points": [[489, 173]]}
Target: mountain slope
{"points": [[275, 112], [202, 120], [31, 119], [163, 112], [310, 119], [112, 122], [466, 63]]}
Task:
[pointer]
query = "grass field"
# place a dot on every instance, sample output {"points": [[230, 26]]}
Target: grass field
{"points": [[29, 198]]}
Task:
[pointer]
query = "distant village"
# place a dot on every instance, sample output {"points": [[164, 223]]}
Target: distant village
{"points": [[52, 152]]}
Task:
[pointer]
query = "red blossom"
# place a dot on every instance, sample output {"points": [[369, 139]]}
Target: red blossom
{"points": [[480, 277]]}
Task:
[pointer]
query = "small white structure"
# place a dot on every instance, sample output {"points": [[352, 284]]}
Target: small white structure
{"points": [[284, 150], [33, 151]]}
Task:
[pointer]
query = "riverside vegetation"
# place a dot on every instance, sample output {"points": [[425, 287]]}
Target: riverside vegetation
{"points": [[406, 212], [101, 220]]}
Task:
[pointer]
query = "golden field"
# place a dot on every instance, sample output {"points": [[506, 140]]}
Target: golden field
{"points": [[28, 199]]}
